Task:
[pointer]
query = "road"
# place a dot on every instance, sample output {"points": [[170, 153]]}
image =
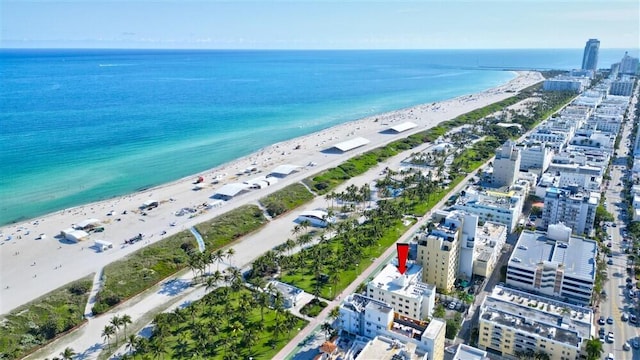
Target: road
{"points": [[617, 302]]}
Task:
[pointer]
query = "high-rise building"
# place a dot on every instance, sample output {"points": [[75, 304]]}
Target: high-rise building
{"points": [[590, 56], [506, 164], [628, 65], [571, 206]]}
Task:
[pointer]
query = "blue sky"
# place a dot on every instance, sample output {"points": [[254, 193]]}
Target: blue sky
{"points": [[302, 24]]}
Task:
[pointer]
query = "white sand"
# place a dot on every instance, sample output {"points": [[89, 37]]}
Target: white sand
{"points": [[31, 268]]}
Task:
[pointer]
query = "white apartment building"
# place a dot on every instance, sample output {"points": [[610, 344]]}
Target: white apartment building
{"points": [[513, 322], [628, 65], [553, 139], [489, 240], [606, 122], [501, 207], [368, 318], [554, 264], [565, 83], [572, 207], [405, 293], [622, 87], [506, 165], [535, 156], [583, 176]]}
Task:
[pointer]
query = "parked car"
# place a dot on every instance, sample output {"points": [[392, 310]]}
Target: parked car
{"points": [[609, 320]]}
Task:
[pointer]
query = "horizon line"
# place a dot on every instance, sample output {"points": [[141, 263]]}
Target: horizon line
{"points": [[300, 49]]}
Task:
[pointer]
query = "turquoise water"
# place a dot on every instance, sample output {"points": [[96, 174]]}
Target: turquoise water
{"points": [[83, 125]]}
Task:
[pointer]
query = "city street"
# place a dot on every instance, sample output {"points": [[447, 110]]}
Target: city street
{"points": [[617, 302]]}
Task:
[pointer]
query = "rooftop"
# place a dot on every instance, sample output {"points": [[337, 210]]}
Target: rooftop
{"points": [[577, 255], [408, 285], [383, 348], [466, 352], [537, 315]]}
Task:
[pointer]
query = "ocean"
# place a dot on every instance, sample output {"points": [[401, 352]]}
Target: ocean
{"points": [[77, 126]]}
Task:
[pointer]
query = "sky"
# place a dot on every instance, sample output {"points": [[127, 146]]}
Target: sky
{"points": [[319, 24]]}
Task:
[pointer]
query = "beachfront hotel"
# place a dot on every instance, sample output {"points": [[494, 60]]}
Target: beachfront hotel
{"points": [[514, 322], [554, 264], [504, 207], [590, 56]]}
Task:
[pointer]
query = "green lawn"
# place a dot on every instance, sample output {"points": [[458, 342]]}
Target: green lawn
{"points": [[286, 199], [146, 267], [313, 307], [38, 322], [305, 279], [221, 325]]}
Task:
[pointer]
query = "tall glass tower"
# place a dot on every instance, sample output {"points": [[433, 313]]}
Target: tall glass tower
{"points": [[590, 57]]}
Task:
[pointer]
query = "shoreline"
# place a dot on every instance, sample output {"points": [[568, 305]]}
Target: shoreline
{"points": [[22, 248]]}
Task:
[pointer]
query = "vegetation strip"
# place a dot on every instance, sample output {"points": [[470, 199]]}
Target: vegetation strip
{"points": [[42, 320], [148, 266]]}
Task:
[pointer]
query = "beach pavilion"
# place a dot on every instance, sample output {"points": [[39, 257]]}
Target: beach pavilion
{"points": [[229, 191], [402, 127], [351, 144], [284, 170]]}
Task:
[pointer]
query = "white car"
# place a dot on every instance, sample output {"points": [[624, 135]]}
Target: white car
{"points": [[609, 357]]}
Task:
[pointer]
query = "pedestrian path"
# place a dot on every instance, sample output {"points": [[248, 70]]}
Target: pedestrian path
{"points": [[95, 287], [199, 239]]}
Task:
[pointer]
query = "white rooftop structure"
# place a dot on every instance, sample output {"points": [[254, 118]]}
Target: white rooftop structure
{"points": [[231, 190], [351, 144], [466, 352], [87, 224], [284, 170], [403, 127], [318, 218]]}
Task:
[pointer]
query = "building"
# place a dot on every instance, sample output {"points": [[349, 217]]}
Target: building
{"points": [[590, 56], [563, 83], [439, 251], [383, 348], [405, 293], [506, 164], [582, 176], [574, 208], [628, 65], [289, 294], [514, 322], [501, 207], [489, 240], [466, 352], [368, 318], [622, 87], [554, 264], [535, 157]]}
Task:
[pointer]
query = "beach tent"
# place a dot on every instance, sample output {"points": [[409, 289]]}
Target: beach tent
{"points": [[351, 144], [150, 204], [74, 235], [284, 170], [87, 224], [228, 191], [403, 127]]}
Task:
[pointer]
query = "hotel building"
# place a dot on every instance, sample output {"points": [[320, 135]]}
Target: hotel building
{"points": [[572, 207], [554, 264], [514, 322]]}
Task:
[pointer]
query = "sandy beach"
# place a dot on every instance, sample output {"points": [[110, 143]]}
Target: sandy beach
{"points": [[33, 265]]}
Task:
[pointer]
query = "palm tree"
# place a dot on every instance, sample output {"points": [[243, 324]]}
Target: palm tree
{"points": [[218, 256], [230, 254], [107, 333], [594, 349], [326, 327], [68, 353], [115, 322], [334, 313], [132, 343], [157, 348], [125, 320]]}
